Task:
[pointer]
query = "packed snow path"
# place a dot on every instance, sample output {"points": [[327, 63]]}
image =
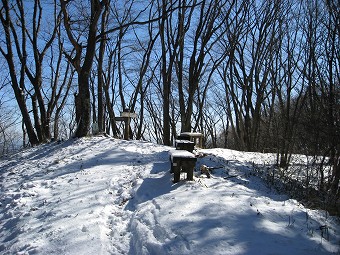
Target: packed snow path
{"points": [[105, 196]]}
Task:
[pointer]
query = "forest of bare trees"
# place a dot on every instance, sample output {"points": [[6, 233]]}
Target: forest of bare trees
{"points": [[249, 75]]}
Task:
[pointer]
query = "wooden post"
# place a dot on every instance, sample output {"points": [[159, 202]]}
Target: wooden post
{"points": [[126, 128], [126, 117]]}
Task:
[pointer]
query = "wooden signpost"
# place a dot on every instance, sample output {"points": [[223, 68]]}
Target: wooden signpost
{"points": [[126, 116]]}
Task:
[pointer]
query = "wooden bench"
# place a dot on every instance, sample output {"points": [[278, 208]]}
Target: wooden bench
{"points": [[192, 136], [184, 145], [182, 161]]}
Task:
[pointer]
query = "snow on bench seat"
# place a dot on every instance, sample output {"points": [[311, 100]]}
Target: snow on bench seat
{"points": [[181, 153], [184, 141], [182, 161]]}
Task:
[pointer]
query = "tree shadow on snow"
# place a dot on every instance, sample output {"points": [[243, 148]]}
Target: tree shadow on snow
{"points": [[238, 233], [158, 183]]}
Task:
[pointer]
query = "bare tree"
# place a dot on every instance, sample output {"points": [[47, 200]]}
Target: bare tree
{"points": [[286, 83], [332, 91], [321, 73], [145, 67], [83, 64], [29, 45], [212, 15], [42, 120], [60, 87], [100, 60], [166, 67], [246, 73], [109, 89], [236, 31], [18, 83]]}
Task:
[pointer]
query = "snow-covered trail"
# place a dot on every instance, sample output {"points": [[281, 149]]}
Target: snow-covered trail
{"points": [[72, 201], [106, 196]]}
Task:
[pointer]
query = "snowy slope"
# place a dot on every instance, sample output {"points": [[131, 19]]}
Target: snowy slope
{"points": [[105, 196]]}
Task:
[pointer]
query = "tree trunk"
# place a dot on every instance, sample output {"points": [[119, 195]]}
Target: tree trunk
{"points": [[101, 105], [84, 110], [17, 88], [166, 78]]}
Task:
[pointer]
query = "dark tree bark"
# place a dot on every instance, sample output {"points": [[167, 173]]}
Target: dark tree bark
{"points": [[166, 72], [18, 86], [28, 39], [36, 77], [84, 67], [101, 102]]}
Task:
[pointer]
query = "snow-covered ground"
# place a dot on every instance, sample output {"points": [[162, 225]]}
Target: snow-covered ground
{"points": [[106, 196]]}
